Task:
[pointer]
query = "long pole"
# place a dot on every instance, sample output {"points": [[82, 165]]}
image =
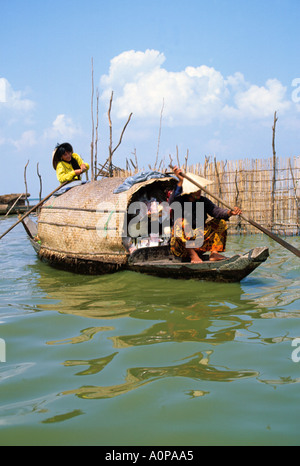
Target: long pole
{"points": [[33, 209], [249, 220]]}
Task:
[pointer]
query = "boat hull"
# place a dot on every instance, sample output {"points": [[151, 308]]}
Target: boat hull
{"points": [[156, 261], [233, 269]]}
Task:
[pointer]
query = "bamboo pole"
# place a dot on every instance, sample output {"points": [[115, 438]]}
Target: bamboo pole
{"points": [[96, 140], [296, 197], [25, 181], [41, 183], [111, 151], [33, 209], [93, 129], [274, 171]]}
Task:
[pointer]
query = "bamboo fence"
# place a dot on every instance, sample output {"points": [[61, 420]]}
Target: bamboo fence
{"points": [[249, 184]]}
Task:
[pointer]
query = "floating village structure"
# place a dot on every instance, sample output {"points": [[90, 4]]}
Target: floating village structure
{"points": [[11, 204]]}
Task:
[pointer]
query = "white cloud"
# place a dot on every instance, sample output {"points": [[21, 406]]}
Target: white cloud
{"points": [[62, 127], [128, 64], [16, 112], [13, 100], [27, 140], [194, 96], [263, 101], [3, 96]]}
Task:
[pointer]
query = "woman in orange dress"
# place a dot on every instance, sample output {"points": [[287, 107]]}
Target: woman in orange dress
{"points": [[188, 239]]}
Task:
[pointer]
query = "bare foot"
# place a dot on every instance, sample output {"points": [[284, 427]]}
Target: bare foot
{"points": [[215, 256], [195, 259]]}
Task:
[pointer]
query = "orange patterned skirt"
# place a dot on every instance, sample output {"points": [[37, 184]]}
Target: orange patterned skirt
{"points": [[213, 238]]}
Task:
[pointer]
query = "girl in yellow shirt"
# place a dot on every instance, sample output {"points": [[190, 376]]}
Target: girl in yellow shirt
{"points": [[69, 166]]}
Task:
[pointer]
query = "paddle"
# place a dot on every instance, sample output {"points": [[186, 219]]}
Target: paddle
{"points": [[249, 220], [33, 209]]}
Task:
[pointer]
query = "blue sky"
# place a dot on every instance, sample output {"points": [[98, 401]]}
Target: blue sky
{"points": [[219, 69]]}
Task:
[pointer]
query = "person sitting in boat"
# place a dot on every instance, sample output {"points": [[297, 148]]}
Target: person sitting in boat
{"points": [[185, 231], [69, 166]]}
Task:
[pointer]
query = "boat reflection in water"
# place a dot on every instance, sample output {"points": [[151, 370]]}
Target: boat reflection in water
{"points": [[165, 312]]}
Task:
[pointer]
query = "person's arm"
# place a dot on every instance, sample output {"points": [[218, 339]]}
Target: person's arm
{"points": [[219, 212], [83, 165], [64, 175], [215, 211], [178, 190]]}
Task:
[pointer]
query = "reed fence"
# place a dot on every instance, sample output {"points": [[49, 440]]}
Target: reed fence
{"points": [[266, 191]]}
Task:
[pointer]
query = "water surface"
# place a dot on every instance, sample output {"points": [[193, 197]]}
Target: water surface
{"points": [[128, 359]]}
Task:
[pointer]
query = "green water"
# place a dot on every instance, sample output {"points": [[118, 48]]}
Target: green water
{"points": [[128, 359]]}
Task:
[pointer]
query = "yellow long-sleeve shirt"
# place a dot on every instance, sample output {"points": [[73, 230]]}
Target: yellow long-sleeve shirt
{"points": [[65, 171]]}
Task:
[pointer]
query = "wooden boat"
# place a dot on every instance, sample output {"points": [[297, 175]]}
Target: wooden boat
{"points": [[11, 204], [163, 264], [82, 230]]}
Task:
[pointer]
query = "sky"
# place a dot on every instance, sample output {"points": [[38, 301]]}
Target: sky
{"points": [[203, 76]]}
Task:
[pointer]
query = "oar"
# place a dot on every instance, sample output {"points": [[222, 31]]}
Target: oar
{"points": [[33, 209], [249, 220]]}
